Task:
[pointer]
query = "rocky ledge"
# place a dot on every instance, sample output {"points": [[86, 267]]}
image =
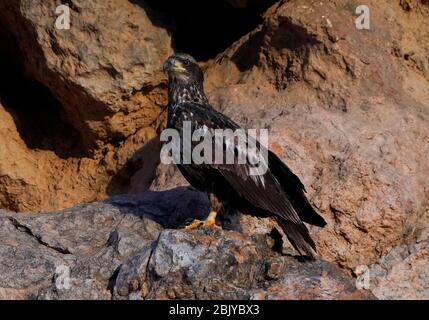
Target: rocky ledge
{"points": [[81, 111], [133, 247]]}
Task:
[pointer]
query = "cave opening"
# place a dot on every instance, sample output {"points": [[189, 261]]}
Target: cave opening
{"points": [[206, 28], [39, 117]]}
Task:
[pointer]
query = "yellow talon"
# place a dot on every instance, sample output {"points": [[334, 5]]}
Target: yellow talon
{"points": [[195, 224], [209, 223]]}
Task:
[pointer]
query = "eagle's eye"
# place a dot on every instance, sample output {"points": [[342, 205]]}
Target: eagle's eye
{"points": [[186, 63]]}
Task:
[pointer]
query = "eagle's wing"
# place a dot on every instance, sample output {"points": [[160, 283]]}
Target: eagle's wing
{"points": [[263, 191], [291, 184]]}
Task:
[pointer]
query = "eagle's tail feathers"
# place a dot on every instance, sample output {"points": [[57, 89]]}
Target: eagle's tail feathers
{"points": [[299, 237]]}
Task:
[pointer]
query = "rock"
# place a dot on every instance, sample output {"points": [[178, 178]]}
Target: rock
{"points": [[78, 103], [344, 115], [34, 180], [81, 110], [132, 275], [318, 281], [105, 69], [402, 273], [216, 265], [119, 249]]}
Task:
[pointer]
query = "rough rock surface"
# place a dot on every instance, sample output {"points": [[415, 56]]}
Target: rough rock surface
{"points": [[347, 110], [118, 249], [103, 68], [403, 272], [105, 75]]}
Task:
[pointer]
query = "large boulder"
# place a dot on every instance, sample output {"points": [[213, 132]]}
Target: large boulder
{"points": [[105, 69], [80, 110], [78, 105], [347, 110], [119, 249]]}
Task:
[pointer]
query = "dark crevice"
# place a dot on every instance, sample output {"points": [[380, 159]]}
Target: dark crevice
{"points": [[150, 278], [278, 240], [39, 117], [205, 28], [112, 280], [23, 228]]}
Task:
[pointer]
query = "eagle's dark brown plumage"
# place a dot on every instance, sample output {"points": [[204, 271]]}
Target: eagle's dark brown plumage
{"points": [[229, 186]]}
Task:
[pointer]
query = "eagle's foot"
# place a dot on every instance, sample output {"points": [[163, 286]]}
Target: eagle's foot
{"points": [[209, 223], [194, 224]]}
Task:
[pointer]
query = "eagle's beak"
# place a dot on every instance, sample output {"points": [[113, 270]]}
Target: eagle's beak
{"points": [[173, 65]]}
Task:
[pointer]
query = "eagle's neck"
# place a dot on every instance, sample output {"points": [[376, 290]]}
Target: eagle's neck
{"points": [[179, 92]]}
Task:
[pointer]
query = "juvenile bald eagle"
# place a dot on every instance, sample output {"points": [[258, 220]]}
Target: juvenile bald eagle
{"points": [[277, 193]]}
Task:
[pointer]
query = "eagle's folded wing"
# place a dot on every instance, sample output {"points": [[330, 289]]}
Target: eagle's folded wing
{"points": [[262, 190]]}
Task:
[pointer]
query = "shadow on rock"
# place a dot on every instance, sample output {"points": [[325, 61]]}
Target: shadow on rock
{"points": [[118, 249], [171, 209], [138, 170]]}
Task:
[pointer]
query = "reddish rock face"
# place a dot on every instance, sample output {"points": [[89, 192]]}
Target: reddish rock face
{"points": [[102, 76], [347, 111]]}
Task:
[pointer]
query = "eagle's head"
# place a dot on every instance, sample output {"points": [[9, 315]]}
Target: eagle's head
{"points": [[185, 79], [181, 67]]}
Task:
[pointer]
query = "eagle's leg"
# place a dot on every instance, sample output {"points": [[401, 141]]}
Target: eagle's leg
{"points": [[210, 222], [216, 207]]}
